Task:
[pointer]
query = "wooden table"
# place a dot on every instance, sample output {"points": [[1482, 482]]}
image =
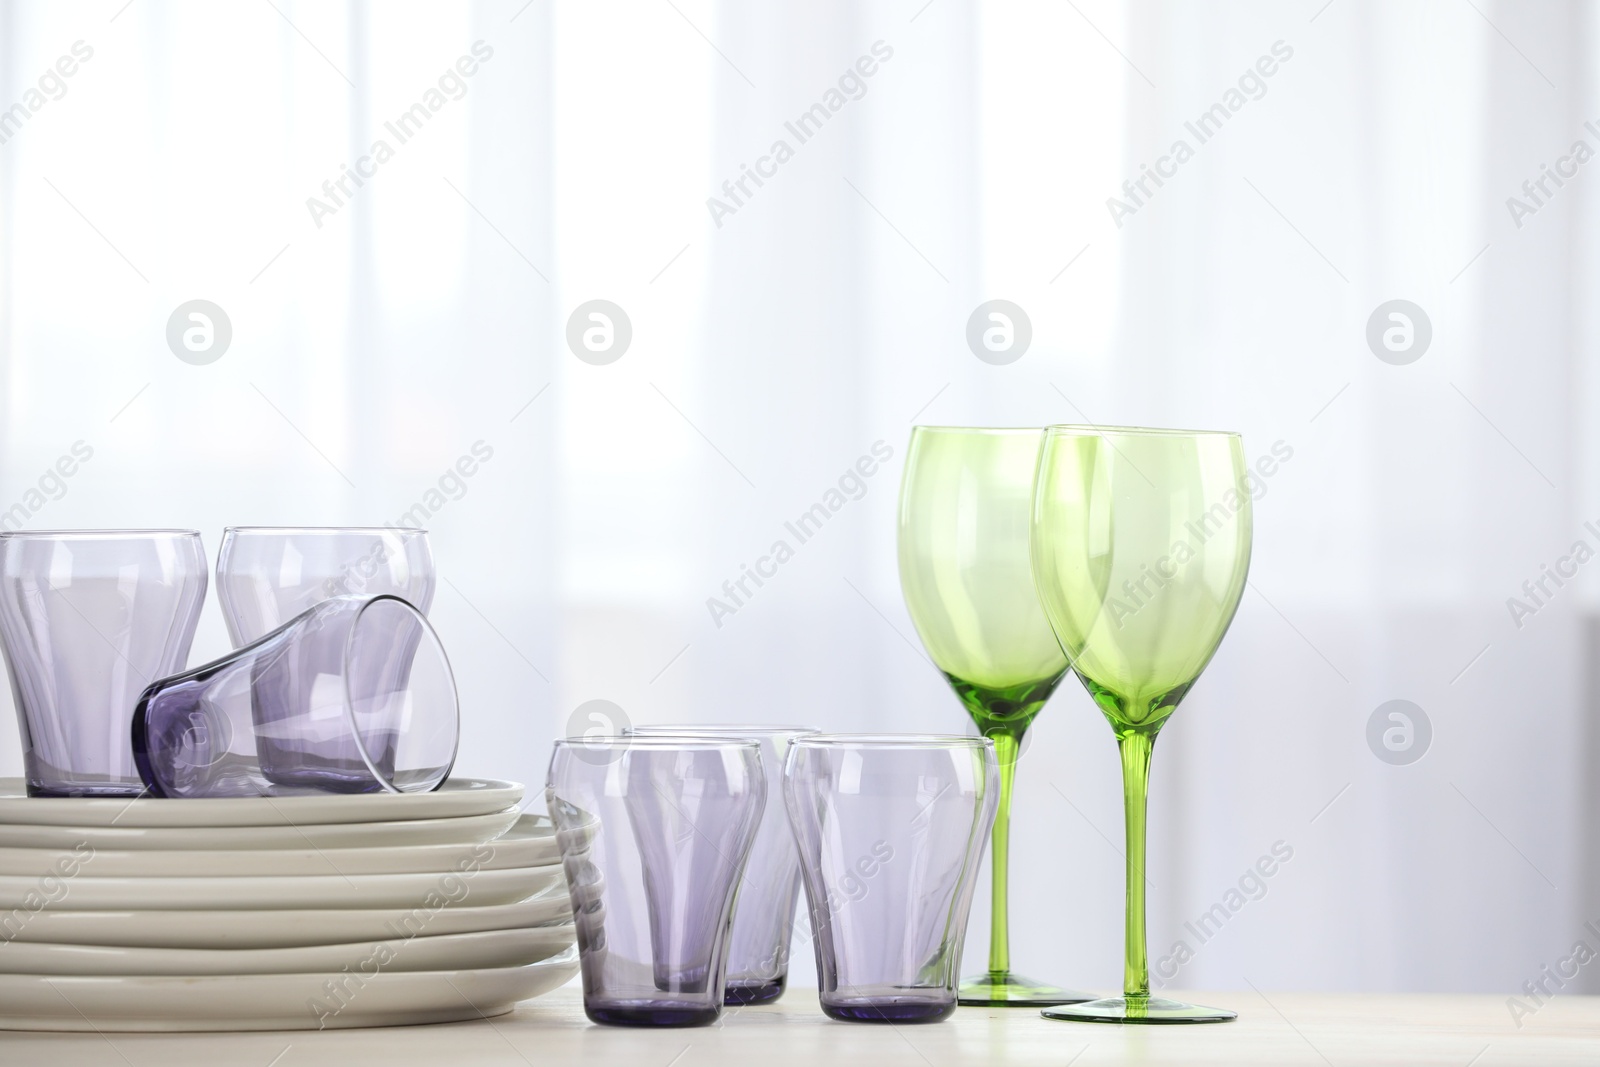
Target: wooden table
{"points": [[1280, 1029]]}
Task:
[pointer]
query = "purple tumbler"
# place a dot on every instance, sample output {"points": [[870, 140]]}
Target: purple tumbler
{"points": [[88, 618], [890, 829], [654, 835]]}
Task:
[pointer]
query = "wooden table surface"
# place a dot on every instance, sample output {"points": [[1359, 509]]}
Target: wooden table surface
{"points": [[1281, 1029]]}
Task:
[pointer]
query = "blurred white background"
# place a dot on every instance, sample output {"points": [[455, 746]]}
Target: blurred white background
{"points": [[376, 343]]}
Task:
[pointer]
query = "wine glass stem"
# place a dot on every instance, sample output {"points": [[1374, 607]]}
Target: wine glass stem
{"points": [[1135, 746], [1006, 746]]}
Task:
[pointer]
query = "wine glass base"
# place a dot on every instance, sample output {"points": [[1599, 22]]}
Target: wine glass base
{"points": [[1008, 989], [1139, 1010]]}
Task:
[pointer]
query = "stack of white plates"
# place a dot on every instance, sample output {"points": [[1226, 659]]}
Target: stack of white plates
{"points": [[277, 913]]}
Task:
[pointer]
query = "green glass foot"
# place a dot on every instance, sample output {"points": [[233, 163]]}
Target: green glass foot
{"points": [[1009, 989], [1138, 1010]]}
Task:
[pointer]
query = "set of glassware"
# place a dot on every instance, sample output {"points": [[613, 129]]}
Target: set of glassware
{"points": [[336, 684], [1119, 554], [661, 830]]}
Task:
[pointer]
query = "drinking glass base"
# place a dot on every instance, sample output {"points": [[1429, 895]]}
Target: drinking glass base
{"points": [[888, 1009], [754, 992], [644, 1013], [1008, 989], [1139, 1010]]}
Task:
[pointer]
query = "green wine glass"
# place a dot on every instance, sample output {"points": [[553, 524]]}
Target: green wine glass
{"points": [[1141, 543], [965, 501]]}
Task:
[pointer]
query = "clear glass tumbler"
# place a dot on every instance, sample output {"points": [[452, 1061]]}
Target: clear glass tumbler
{"points": [[266, 575], [354, 695], [763, 916], [654, 835], [88, 618], [891, 829]]}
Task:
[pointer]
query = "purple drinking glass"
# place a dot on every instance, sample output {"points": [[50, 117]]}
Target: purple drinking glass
{"points": [[763, 917], [266, 575], [891, 829], [354, 695], [654, 835], [88, 618]]}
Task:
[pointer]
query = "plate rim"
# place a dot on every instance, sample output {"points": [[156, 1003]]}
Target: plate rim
{"points": [[398, 827], [352, 949], [526, 830], [566, 962], [190, 895], [466, 795], [253, 919], [569, 954]]}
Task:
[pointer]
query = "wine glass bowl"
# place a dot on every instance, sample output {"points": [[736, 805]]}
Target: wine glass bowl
{"points": [[1146, 548], [1140, 547]]}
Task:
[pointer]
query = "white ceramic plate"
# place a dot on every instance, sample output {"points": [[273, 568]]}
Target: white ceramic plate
{"points": [[530, 843], [442, 952], [273, 1001], [467, 829], [289, 892], [242, 929], [453, 799]]}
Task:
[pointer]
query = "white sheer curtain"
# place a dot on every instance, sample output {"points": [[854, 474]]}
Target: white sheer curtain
{"points": [[825, 314], [373, 346], [1419, 497]]}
